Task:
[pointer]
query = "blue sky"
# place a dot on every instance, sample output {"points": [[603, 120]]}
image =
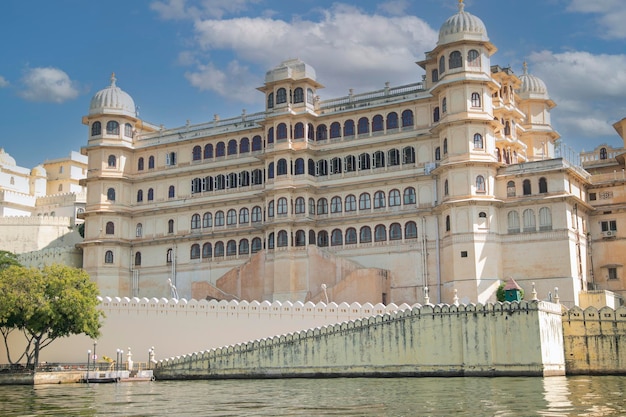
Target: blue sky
{"points": [[190, 59]]}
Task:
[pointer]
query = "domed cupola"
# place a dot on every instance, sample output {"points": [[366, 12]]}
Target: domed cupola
{"points": [[38, 171], [112, 100], [6, 159], [531, 85], [462, 26]]}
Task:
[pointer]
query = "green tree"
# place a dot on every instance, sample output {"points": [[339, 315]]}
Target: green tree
{"points": [[45, 305], [8, 259]]}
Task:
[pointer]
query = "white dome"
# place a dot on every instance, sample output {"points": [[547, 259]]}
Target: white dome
{"points": [[531, 84], [38, 171], [112, 100], [6, 159], [462, 26], [293, 69]]}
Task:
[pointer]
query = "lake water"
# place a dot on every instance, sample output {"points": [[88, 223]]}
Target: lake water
{"points": [[554, 396]]}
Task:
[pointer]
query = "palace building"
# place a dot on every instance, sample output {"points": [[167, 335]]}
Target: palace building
{"points": [[438, 191]]}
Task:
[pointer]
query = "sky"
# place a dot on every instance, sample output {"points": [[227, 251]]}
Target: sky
{"points": [[187, 60]]}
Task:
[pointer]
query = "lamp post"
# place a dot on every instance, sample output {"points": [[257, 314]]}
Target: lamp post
{"points": [[149, 358], [88, 363], [95, 357]]}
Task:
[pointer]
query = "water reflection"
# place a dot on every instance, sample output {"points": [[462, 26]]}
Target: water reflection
{"points": [[554, 396]]}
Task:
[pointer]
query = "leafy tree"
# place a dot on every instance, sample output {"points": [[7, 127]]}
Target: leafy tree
{"points": [[45, 305], [8, 259]]}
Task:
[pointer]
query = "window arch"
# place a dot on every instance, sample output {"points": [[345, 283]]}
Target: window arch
{"points": [[137, 258], [110, 228], [603, 153], [168, 255], [480, 184], [436, 114], [151, 162], [112, 161], [545, 219], [207, 220], [207, 250], [510, 189], [348, 128], [96, 129], [447, 223], [445, 146], [231, 248], [219, 249], [478, 141], [281, 131], [393, 157], [363, 126], [322, 206], [351, 236], [281, 206], [300, 238], [434, 74], [270, 208], [336, 238], [377, 123], [456, 60], [170, 226], [220, 149], [196, 153], [270, 171], [139, 196], [256, 214], [392, 121], [300, 205], [446, 187], [231, 217], [270, 100], [322, 238], [208, 151], [395, 231], [322, 132], [365, 234], [379, 159], [219, 218], [298, 131], [244, 216], [529, 220], [513, 224], [281, 167], [299, 166], [111, 194], [150, 194], [350, 203], [394, 198], [526, 187], [364, 161], [444, 105], [171, 192], [476, 100], [335, 130], [543, 185], [410, 230], [298, 95], [380, 233], [473, 58], [140, 164], [194, 253], [257, 143], [244, 247], [138, 230], [281, 96], [407, 118], [442, 64], [108, 257], [437, 153], [244, 145], [365, 202], [113, 127], [256, 245], [379, 199], [232, 147], [335, 205], [409, 195]]}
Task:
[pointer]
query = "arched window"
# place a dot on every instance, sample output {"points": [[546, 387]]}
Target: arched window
{"points": [[445, 146], [111, 194], [270, 241], [543, 185], [444, 105], [336, 238], [380, 233], [257, 143], [170, 226], [299, 166], [310, 132], [322, 238], [350, 163], [335, 205], [171, 192], [365, 202], [231, 217], [298, 131], [150, 194], [300, 205], [207, 219], [300, 238], [281, 96], [231, 248], [219, 218], [207, 250], [108, 257], [197, 185], [256, 214], [335, 130], [507, 128], [220, 149], [442, 65], [393, 157], [446, 188], [379, 199], [365, 234], [244, 216], [529, 220], [270, 171], [350, 203], [110, 228], [270, 208], [364, 161], [208, 151], [363, 126], [219, 249], [257, 177], [510, 189], [112, 161], [410, 230], [281, 206], [348, 128], [350, 236], [244, 247], [395, 231], [113, 128], [232, 147], [447, 223], [322, 206], [322, 167], [436, 114], [281, 167], [335, 165], [409, 195], [473, 58], [377, 123], [283, 239], [281, 131], [139, 230], [475, 100], [244, 178], [195, 221], [480, 184], [151, 162], [168, 256], [407, 118], [322, 132], [526, 187], [394, 198], [256, 244], [137, 258], [194, 253], [96, 129], [270, 100], [244, 145], [196, 154], [456, 60], [139, 196], [437, 153], [545, 219], [392, 121], [140, 164], [298, 95], [603, 153], [434, 74], [478, 141]]}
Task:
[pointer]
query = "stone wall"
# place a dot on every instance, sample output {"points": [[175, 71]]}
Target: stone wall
{"points": [[444, 340]]}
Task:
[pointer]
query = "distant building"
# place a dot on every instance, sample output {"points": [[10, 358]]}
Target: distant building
{"points": [[444, 187], [39, 208]]}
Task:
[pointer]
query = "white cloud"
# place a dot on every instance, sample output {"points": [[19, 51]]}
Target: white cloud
{"points": [[181, 9], [611, 16], [394, 7], [235, 83], [48, 85], [3, 82], [587, 88], [347, 58]]}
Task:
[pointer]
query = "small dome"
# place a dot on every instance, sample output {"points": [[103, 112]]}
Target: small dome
{"points": [[38, 171], [462, 26], [112, 100], [293, 69], [531, 84], [6, 159]]}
